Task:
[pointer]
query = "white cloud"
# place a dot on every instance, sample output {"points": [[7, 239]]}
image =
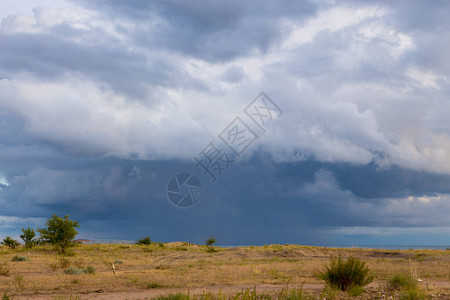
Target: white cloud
{"points": [[386, 231], [333, 19], [340, 77], [12, 7], [3, 180], [424, 79]]}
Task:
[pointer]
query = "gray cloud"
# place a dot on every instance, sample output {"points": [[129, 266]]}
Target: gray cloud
{"points": [[233, 75], [211, 30], [101, 103], [53, 56]]}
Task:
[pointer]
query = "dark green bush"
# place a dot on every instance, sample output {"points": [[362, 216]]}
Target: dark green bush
{"points": [[59, 232], [27, 236], [344, 274], [10, 242], [144, 241], [210, 241]]}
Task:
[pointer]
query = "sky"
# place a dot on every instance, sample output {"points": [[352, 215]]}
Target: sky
{"points": [[103, 102]]}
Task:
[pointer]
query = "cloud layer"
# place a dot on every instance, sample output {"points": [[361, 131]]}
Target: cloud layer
{"points": [[90, 91]]}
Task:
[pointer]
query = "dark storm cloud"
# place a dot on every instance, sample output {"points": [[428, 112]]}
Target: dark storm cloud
{"points": [[262, 200], [209, 30], [370, 182], [333, 145]]}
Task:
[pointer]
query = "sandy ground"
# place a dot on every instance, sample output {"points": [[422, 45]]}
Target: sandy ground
{"points": [[145, 272]]}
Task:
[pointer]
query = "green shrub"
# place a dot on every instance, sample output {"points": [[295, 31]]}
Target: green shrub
{"points": [[89, 270], [10, 242], [210, 241], [211, 250], [400, 281], [27, 236], [59, 232], [6, 297], [19, 258], [72, 271], [344, 274], [146, 240], [75, 271], [117, 261], [210, 244]]}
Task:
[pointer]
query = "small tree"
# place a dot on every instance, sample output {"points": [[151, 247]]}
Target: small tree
{"points": [[146, 240], [28, 236], [10, 242], [59, 232], [210, 243]]}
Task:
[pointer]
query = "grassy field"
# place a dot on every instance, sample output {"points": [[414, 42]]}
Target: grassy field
{"points": [[273, 271]]}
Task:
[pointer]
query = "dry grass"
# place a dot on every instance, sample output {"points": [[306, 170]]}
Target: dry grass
{"points": [[149, 271]]}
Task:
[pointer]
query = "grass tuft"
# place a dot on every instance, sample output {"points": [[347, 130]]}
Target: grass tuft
{"points": [[177, 296], [4, 269], [400, 281], [344, 274], [413, 294], [356, 291]]}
